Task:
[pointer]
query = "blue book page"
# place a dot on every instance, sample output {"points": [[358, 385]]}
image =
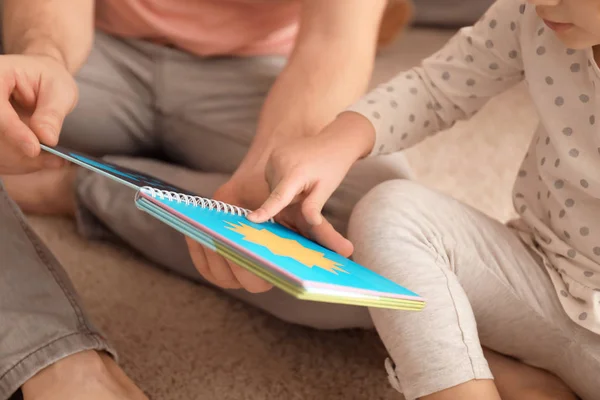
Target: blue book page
{"points": [[287, 252], [126, 176]]}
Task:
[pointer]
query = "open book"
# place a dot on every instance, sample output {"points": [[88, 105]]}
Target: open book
{"points": [[281, 256]]}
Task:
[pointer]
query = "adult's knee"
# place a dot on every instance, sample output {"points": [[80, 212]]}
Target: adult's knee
{"points": [[310, 314], [329, 317]]}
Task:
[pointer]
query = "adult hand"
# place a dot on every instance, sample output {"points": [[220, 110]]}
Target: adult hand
{"points": [[36, 93], [244, 192]]}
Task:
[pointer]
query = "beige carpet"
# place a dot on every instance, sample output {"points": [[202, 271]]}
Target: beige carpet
{"points": [[183, 341]]}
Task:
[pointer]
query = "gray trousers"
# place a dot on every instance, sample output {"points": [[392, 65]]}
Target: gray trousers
{"points": [[137, 101]]}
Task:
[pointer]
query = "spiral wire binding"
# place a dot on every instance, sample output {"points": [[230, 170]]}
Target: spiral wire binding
{"points": [[198, 201]]}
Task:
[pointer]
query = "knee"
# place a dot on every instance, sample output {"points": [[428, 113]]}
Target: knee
{"points": [[392, 200], [309, 314], [369, 173], [331, 318], [396, 217], [397, 188], [363, 177]]}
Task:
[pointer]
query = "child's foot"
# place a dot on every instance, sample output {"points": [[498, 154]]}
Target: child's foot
{"points": [[87, 375], [517, 381], [49, 192]]}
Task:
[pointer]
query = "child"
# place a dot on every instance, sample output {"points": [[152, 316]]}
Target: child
{"points": [[531, 289]]}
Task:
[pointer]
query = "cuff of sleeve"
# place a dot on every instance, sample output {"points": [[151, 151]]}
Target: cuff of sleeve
{"points": [[381, 117]]}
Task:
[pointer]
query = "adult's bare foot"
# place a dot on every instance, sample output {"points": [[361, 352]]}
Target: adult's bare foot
{"points": [[517, 381], [87, 375], [50, 192]]}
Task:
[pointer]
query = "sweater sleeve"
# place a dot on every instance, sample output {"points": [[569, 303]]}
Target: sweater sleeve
{"points": [[478, 63]]}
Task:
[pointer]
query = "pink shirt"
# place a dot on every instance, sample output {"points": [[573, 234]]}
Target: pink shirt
{"points": [[205, 27]]}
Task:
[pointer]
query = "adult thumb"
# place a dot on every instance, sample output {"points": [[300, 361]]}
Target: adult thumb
{"points": [[54, 101]]}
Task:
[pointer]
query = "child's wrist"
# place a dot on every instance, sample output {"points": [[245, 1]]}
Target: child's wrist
{"points": [[357, 132]]}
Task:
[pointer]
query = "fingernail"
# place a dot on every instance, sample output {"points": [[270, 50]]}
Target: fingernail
{"points": [[252, 216], [255, 214], [28, 148]]}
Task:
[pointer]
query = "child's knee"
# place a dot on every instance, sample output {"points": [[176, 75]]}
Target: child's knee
{"points": [[399, 220], [391, 201], [362, 178], [390, 206], [371, 172]]}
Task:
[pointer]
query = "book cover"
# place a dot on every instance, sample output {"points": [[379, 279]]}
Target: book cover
{"points": [[281, 249]]}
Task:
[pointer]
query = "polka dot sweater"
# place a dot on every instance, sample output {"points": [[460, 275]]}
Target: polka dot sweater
{"points": [[557, 190]]}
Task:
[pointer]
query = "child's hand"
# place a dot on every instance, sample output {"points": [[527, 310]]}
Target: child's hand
{"points": [[302, 174], [308, 170]]}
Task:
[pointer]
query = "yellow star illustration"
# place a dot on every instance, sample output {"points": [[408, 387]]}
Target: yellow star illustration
{"points": [[286, 247]]}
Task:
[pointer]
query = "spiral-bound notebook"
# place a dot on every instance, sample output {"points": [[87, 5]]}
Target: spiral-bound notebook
{"points": [[286, 259]]}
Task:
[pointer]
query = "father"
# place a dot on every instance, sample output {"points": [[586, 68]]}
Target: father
{"points": [[203, 83]]}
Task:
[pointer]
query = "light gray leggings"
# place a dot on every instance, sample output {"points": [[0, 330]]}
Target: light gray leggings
{"points": [[482, 285]]}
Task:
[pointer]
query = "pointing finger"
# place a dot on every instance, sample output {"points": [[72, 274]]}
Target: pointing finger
{"points": [[283, 194]]}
